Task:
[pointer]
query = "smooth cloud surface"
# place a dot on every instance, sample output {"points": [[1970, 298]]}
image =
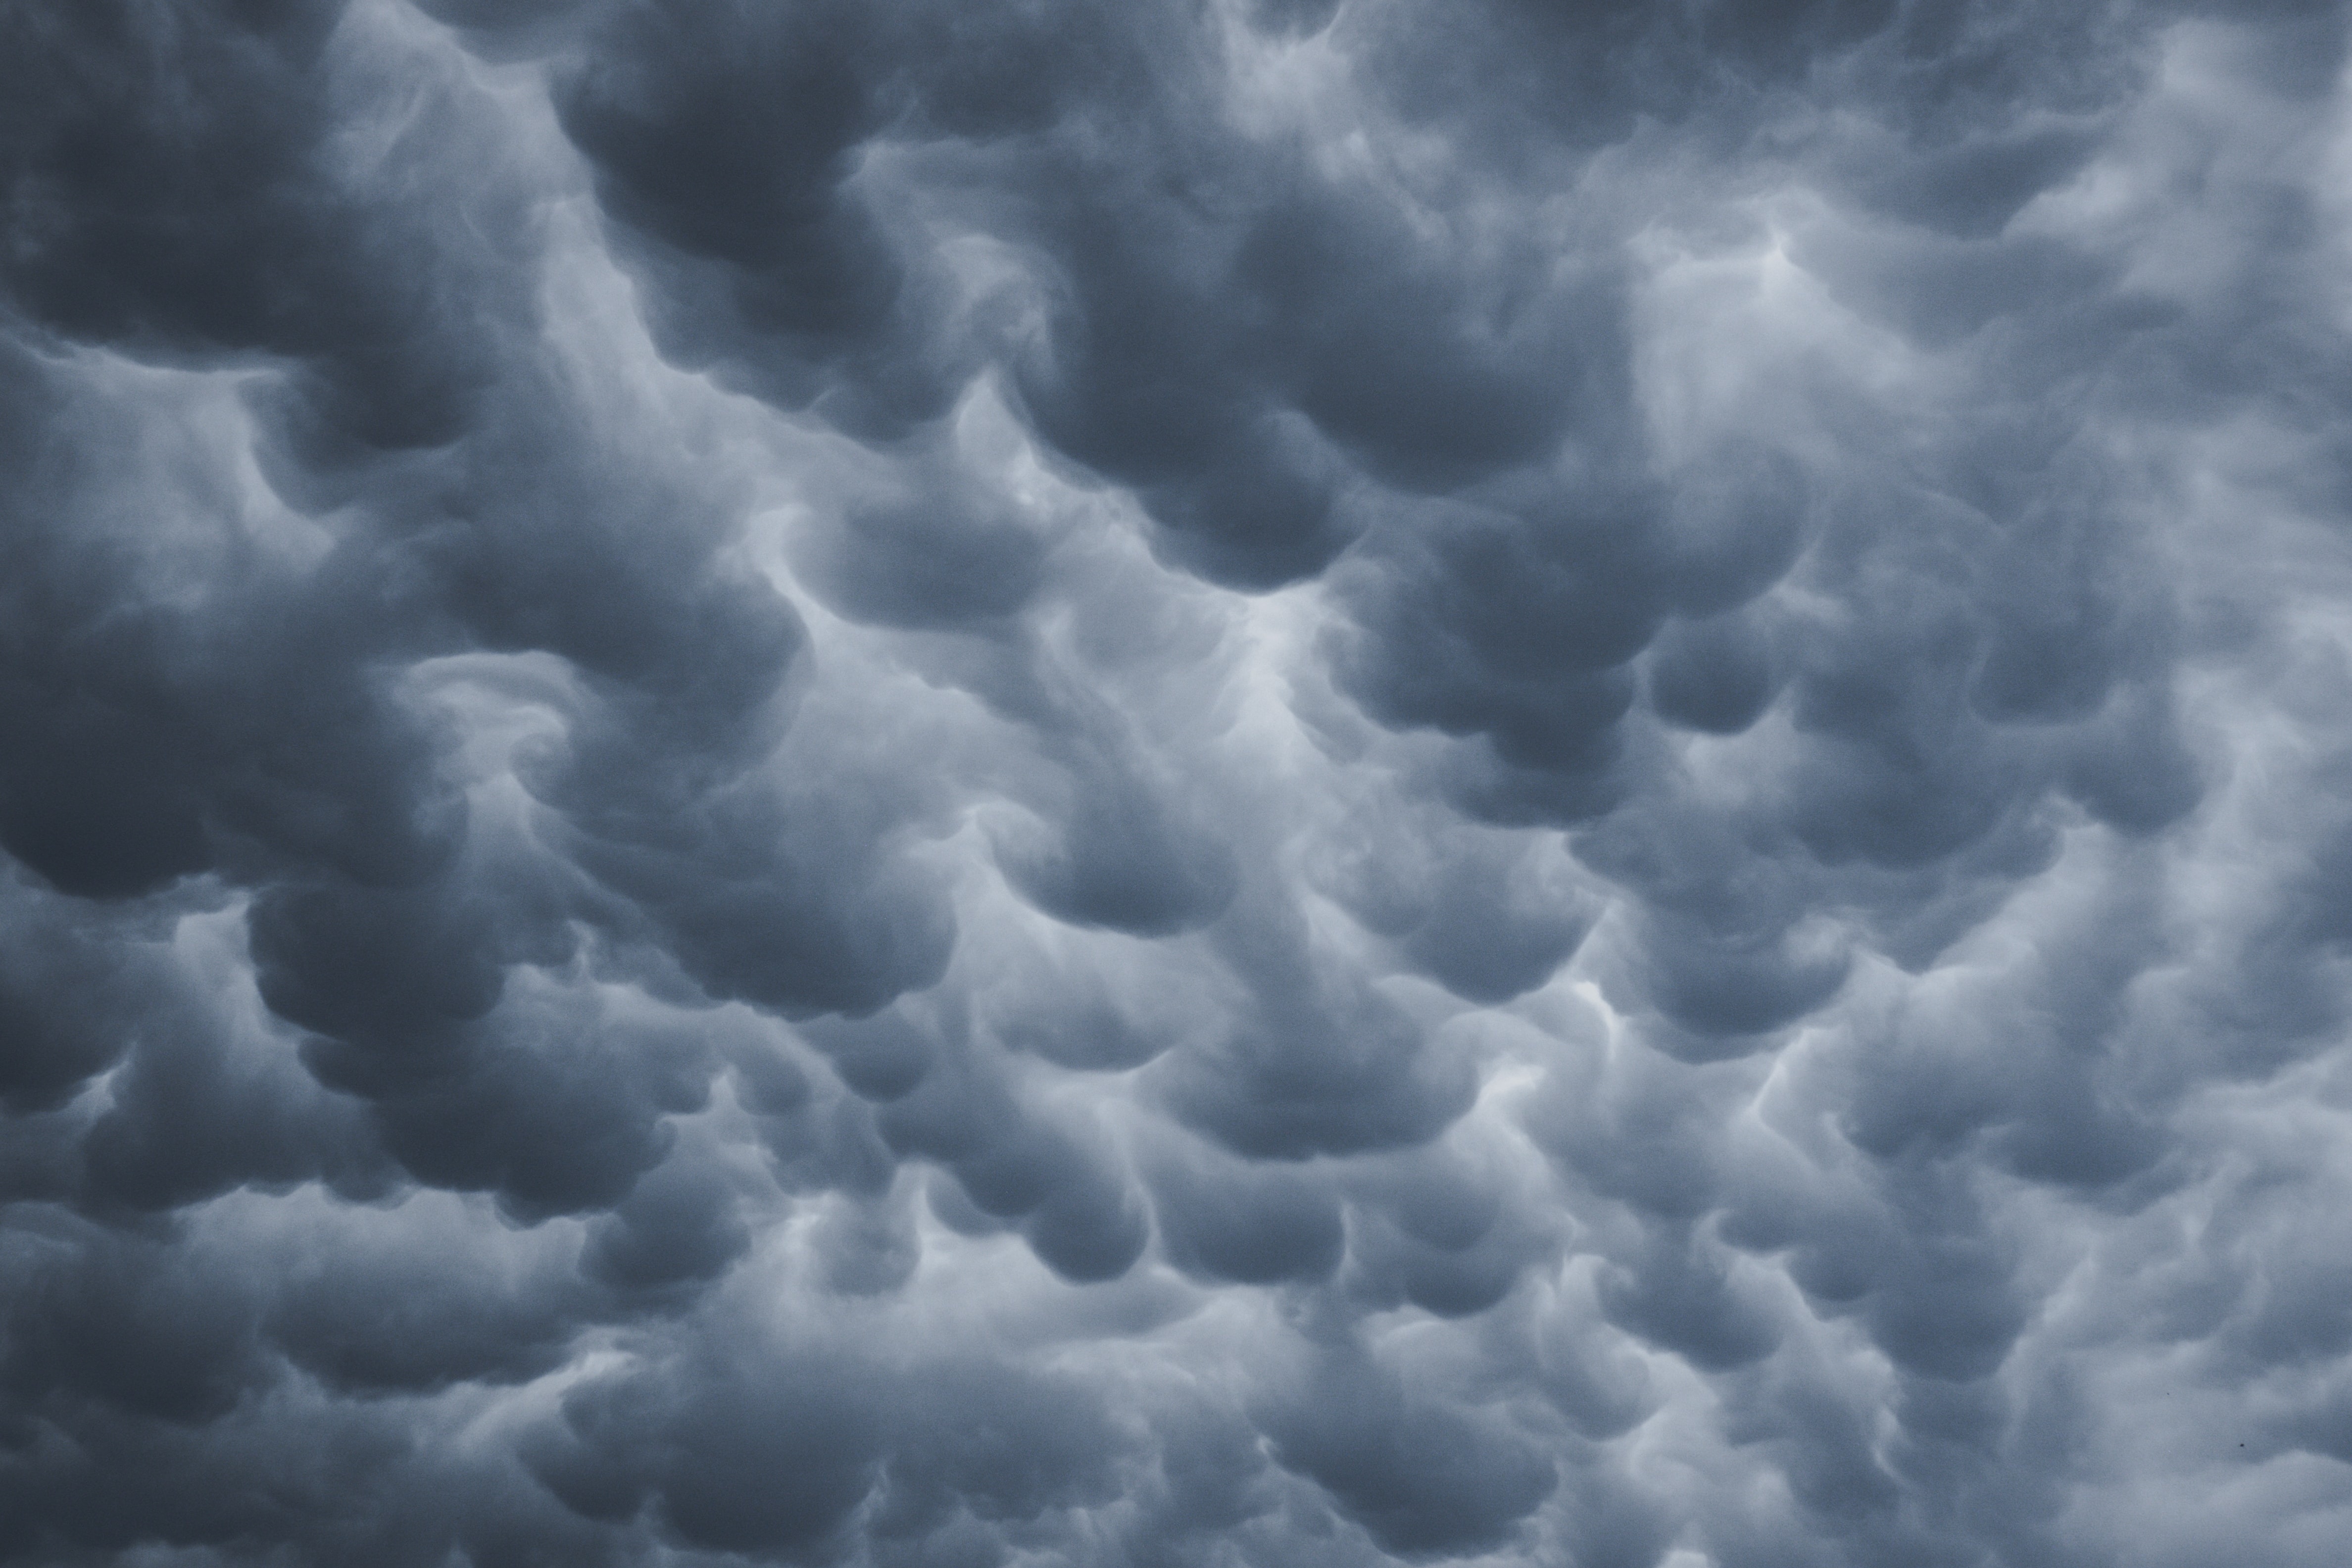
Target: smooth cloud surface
{"points": [[1175, 783]]}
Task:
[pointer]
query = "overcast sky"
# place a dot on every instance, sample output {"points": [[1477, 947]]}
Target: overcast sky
{"points": [[1175, 784]]}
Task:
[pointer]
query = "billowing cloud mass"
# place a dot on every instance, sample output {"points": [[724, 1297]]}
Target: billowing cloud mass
{"points": [[1192, 783]]}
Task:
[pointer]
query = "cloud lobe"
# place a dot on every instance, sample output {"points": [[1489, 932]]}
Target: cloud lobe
{"points": [[1175, 784]]}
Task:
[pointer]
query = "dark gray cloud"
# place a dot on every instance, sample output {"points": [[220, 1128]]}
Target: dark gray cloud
{"points": [[1174, 784]]}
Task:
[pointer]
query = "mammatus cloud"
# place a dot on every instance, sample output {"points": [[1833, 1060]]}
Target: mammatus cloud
{"points": [[1175, 784]]}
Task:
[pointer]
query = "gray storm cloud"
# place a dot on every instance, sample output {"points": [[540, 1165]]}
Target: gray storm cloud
{"points": [[1178, 782]]}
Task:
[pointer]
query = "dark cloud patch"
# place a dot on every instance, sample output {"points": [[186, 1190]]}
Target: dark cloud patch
{"points": [[123, 1321], [1715, 675], [72, 999], [939, 557], [1972, 188], [776, 1459], [1488, 916], [1171, 783], [1120, 858], [1226, 1220], [166, 179], [787, 926], [192, 1113], [725, 137], [1059, 1180], [1429, 1481], [1454, 1254], [396, 1308], [1311, 1062], [1679, 1293], [116, 787], [769, 1463], [1075, 1019], [1000, 1442], [1452, 386], [678, 1225]]}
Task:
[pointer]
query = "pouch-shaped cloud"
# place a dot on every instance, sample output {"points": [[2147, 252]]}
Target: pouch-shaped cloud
{"points": [[1175, 781]]}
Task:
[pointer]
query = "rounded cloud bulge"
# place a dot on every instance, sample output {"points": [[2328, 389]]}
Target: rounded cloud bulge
{"points": [[1177, 783]]}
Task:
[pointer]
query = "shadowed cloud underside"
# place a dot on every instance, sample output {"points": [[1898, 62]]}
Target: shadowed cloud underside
{"points": [[1190, 783]]}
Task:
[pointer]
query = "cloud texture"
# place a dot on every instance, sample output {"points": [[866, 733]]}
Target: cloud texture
{"points": [[1175, 783]]}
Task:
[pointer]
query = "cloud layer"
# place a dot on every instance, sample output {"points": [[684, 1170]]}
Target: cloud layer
{"points": [[1179, 782]]}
